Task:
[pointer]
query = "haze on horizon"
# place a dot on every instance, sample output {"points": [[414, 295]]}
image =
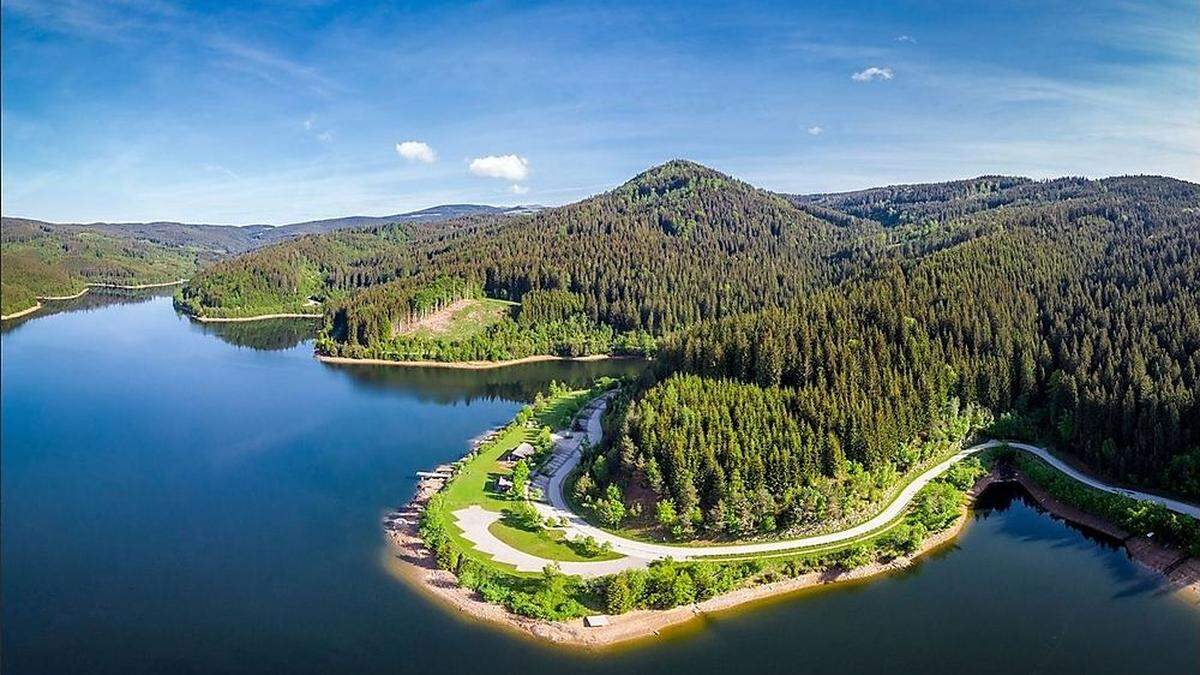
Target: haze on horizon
{"points": [[156, 110]]}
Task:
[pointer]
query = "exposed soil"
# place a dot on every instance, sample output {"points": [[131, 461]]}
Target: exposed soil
{"points": [[436, 322]]}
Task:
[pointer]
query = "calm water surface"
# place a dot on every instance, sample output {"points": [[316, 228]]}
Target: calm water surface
{"points": [[184, 498]]}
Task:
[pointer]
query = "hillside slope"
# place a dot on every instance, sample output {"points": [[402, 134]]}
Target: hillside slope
{"points": [[675, 244], [868, 329], [234, 239]]}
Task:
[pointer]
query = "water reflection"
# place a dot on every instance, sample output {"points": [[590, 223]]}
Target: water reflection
{"points": [[515, 383], [1000, 497], [219, 510], [1130, 579], [94, 299], [266, 335]]}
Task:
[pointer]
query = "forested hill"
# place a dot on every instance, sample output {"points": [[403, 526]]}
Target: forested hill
{"points": [[676, 244], [1063, 311], [822, 345], [234, 239]]}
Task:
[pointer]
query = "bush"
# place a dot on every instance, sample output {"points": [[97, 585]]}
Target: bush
{"points": [[622, 593], [855, 556], [526, 516], [611, 509], [936, 506]]}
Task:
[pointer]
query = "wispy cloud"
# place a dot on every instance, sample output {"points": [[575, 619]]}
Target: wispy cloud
{"points": [[872, 73], [323, 135], [816, 130], [906, 38], [416, 151], [132, 22], [517, 189], [268, 65], [509, 167]]}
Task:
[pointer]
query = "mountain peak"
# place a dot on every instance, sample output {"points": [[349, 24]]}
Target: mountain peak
{"points": [[675, 169], [677, 177]]}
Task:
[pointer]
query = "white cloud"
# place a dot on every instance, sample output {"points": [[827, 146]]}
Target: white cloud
{"points": [[872, 73], [325, 136], [509, 167], [906, 38], [816, 130], [416, 151], [519, 189]]}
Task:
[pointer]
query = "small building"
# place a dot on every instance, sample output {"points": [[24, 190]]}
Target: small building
{"points": [[503, 484], [522, 451], [595, 621]]}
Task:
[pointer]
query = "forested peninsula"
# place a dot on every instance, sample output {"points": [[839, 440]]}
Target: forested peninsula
{"points": [[810, 349]]}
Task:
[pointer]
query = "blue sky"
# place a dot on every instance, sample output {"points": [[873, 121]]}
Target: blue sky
{"points": [[284, 111]]}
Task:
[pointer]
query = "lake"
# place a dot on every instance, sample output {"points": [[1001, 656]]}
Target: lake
{"points": [[180, 497]]}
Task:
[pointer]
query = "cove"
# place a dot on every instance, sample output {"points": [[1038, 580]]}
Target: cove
{"points": [[183, 497]]}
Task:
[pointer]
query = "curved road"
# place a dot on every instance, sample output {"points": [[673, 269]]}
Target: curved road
{"points": [[644, 552]]}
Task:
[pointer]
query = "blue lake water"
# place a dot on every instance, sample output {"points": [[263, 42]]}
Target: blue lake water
{"points": [[187, 498]]}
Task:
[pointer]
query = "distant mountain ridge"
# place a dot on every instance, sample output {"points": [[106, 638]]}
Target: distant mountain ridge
{"points": [[233, 239]]}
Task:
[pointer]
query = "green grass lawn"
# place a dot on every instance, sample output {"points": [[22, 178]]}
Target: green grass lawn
{"points": [[474, 484], [471, 319], [546, 543]]}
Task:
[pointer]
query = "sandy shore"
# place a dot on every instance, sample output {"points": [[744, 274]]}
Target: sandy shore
{"points": [[63, 297], [139, 287], [416, 565], [17, 315], [465, 365], [260, 317]]}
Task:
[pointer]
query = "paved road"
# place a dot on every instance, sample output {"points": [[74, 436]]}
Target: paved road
{"points": [[640, 553], [558, 507]]}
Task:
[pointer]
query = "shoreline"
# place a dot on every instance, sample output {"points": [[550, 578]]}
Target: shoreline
{"points": [[260, 317], [466, 365], [16, 315], [418, 566], [139, 287], [56, 298]]}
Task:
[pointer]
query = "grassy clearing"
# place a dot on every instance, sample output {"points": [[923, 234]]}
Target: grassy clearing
{"points": [[549, 544], [465, 319], [475, 484]]}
